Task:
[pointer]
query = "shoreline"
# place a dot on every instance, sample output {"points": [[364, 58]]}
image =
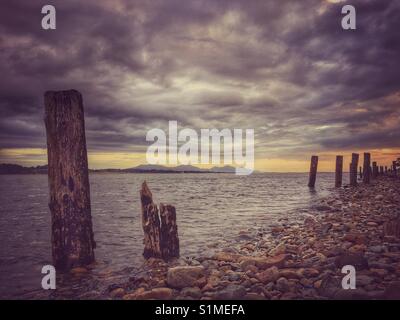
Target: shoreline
{"points": [[294, 261], [298, 258]]}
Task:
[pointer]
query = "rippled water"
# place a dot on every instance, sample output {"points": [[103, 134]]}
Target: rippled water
{"points": [[210, 208]]}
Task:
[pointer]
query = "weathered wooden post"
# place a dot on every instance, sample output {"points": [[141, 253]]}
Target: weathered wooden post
{"points": [[374, 170], [351, 173], [386, 170], [339, 171], [367, 167], [160, 230], [353, 169], [169, 232], [150, 224], [313, 171], [361, 174], [381, 170], [72, 233], [394, 168]]}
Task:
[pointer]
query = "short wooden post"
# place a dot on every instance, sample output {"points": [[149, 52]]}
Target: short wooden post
{"points": [[353, 169], [150, 224], [374, 170], [160, 230], [367, 167], [381, 170], [169, 232], [394, 168], [313, 171], [72, 233], [339, 171], [386, 169]]}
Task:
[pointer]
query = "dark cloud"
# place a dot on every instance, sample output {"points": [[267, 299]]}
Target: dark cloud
{"points": [[372, 140], [284, 68]]}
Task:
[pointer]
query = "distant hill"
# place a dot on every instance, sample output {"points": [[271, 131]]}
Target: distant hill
{"points": [[181, 168], [226, 169], [149, 167], [6, 168], [188, 168], [154, 167]]}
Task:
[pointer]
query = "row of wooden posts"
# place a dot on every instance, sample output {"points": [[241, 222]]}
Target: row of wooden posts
{"points": [[72, 231], [365, 172], [72, 234]]}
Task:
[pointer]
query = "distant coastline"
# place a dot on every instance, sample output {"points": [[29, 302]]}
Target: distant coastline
{"points": [[7, 168]]}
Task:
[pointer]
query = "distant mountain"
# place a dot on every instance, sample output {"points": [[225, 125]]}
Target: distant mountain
{"points": [[155, 167], [149, 167], [6, 168], [226, 169], [183, 168], [188, 168]]}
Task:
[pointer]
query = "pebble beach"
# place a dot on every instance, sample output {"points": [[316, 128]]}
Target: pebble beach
{"points": [[353, 226]]}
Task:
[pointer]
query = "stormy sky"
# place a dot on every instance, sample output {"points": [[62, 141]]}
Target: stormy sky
{"points": [[284, 68]]}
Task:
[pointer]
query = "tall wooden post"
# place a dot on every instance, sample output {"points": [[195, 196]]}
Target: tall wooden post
{"points": [[353, 169], [374, 170], [339, 171], [367, 167], [313, 171], [72, 233]]}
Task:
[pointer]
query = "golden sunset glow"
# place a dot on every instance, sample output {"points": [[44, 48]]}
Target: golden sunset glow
{"points": [[123, 160]]}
